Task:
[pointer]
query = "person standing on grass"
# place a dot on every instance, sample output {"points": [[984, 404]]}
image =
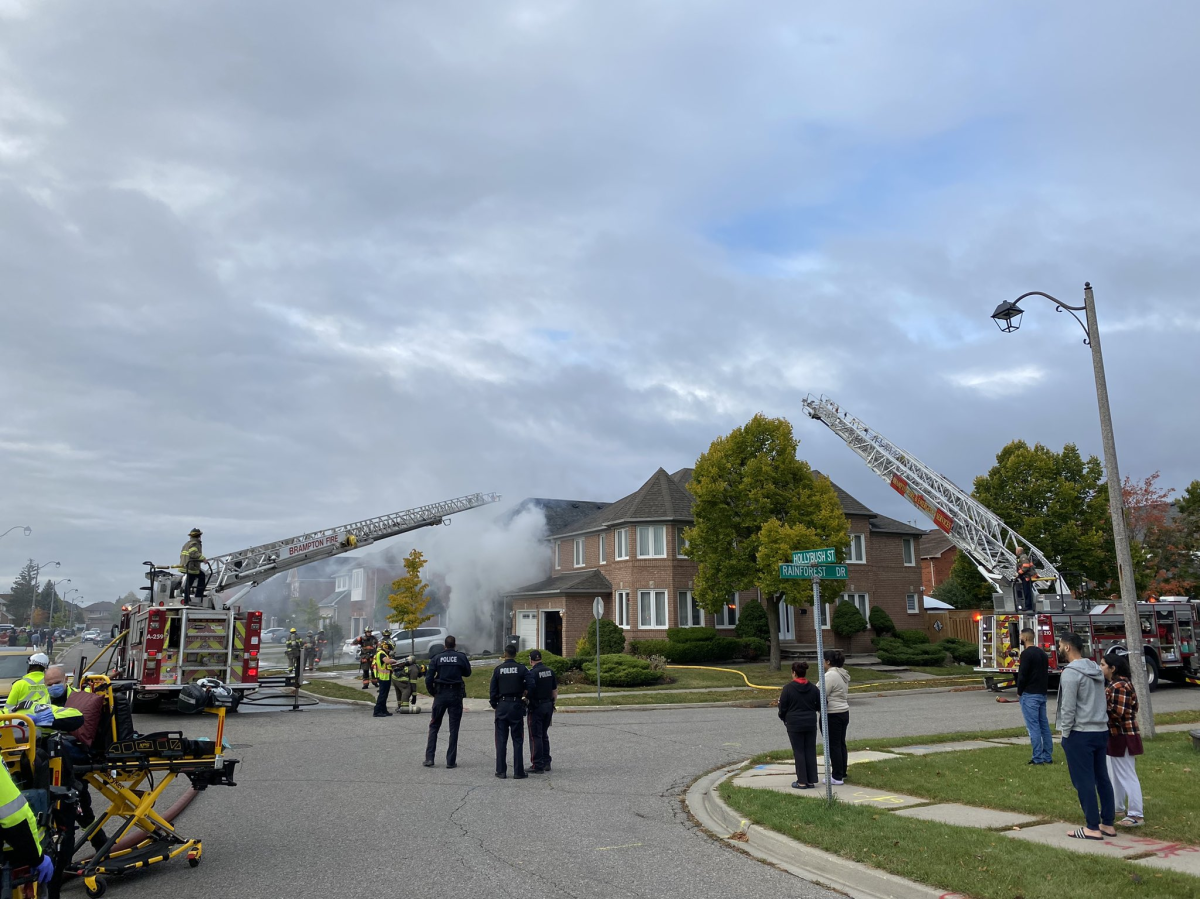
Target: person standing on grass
{"points": [[799, 708], [1082, 720], [1033, 674], [837, 700], [1124, 739]]}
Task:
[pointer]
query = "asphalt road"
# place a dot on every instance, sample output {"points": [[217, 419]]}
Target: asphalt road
{"points": [[333, 802]]}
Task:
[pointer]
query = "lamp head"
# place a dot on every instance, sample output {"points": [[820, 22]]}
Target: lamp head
{"points": [[1008, 316]]}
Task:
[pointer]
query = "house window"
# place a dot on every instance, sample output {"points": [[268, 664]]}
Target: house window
{"points": [[690, 614], [910, 556], [342, 582], [728, 614], [861, 600], [827, 616], [558, 554], [621, 542], [357, 579], [652, 608], [858, 549], [603, 557], [622, 613], [578, 552], [680, 543], [652, 542], [912, 603]]}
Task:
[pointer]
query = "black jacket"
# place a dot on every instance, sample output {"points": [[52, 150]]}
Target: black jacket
{"points": [[1033, 671], [799, 706], [446, 671]]}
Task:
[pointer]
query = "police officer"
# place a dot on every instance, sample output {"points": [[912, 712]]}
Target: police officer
{"points": [[444, 681], [507, 697], [542, 688], [32, 687]]}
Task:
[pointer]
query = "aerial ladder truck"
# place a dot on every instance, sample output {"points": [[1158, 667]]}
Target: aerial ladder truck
{"points": [[164, 644], [1169, 629]]}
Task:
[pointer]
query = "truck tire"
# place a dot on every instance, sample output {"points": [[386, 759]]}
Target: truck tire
{"points": [[1153, 672]]}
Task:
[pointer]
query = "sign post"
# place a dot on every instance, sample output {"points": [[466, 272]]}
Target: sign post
{"points": [[816, 585], [598, 613]]}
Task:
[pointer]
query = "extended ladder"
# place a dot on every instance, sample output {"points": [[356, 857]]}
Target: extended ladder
{"points": [[248, 567], [969, 524]]}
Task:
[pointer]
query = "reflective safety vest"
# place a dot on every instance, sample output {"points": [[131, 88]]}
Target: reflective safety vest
{"points": [[15, 811], [30, 688], [382, 671]]}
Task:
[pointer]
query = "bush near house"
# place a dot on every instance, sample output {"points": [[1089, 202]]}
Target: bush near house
{"points": [[881, 622], [557, 664], [612, 639], [964, 651], [699, 646], [897, 652], [754, 648], [690, 634], [622, 671], [753, 623], [647, 648], [847, 620], [912, 638]]}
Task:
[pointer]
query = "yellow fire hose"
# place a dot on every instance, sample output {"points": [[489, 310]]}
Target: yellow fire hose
{"points": [[117, 639], [729, 671]]}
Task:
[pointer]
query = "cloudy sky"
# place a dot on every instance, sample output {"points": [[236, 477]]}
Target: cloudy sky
{"points": [[273, 266]]}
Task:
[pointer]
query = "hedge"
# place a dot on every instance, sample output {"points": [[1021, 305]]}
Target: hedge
{"points": [[912, 638], [691, 634], [963, 651], [645, 648], [897, 652], [621, 671], [557, 664]]}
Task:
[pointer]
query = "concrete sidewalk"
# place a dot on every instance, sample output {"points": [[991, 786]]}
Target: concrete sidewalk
{"points": [[1127, 844]]}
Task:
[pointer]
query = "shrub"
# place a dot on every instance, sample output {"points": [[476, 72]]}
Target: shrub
{"points": [[689, 653], [754, 648], [645, 648], [612, 639], [897, 652], [557, 664], [622, 671], [912, 638], [753, 622], [881, 621], [726, 648], [691, 634], [953, 593], [963, 651], [847, 620]]}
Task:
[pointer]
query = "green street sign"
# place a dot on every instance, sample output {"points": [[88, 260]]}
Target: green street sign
{"points": [[814, 557], [808, 572]]}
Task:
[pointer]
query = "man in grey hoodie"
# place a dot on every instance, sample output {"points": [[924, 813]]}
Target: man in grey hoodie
{"points": [[1082, 719]]}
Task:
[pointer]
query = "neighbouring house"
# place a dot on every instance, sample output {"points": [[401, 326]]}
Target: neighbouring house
{"points": [[5, 598], [630, 554], [100, 615], [937, 558]]}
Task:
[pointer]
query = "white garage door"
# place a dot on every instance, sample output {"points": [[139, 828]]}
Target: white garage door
{"points": [[527, 629]]}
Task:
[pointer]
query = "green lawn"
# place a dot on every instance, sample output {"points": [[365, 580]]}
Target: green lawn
{"points": [[1000, 778], [976, 863], [672, 697]]}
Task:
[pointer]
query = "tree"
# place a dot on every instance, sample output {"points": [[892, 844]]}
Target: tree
{"points": [[1058, 501], [408, 597], [1150, 535], [951, 591], [756, 502], [978, 589], [24, 590], [307, 614]]}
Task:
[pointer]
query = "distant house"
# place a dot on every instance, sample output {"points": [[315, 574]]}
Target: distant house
{"points": [[100, 615], [5, 598], [937, 558]]}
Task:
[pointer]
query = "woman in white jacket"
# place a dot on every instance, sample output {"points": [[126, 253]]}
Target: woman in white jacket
{"points": [[837, 699]]}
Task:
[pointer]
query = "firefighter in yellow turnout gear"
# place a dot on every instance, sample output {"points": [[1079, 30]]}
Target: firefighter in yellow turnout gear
{"points": [[383, 665], [190, 558], [19, 830]]}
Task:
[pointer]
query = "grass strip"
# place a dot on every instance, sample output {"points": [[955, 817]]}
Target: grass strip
{"points": [[923, 684], [999, 778], [668, 698], [977, 863], [339, 691]]}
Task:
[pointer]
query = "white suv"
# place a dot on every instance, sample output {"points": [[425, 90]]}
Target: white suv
{"points": [[424, 641]]}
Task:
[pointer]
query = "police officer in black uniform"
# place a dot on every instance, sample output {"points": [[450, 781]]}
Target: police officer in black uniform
{"points": [[507, 696], [542, 688], [444, 681]]}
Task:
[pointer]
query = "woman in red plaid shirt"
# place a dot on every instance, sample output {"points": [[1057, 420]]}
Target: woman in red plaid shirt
{"points": [[1124, 740]]}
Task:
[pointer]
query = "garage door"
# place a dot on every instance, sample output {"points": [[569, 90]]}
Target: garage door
{"points": [[527, 629]]}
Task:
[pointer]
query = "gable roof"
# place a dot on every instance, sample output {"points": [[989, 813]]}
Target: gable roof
{"points": [[590, 581], [560, 513], [884, 525], [934, 543], [331, 601], [661, 498], [850, 505]]}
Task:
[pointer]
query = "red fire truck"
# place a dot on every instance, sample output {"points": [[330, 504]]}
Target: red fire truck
{"points": [[1169, 633]]}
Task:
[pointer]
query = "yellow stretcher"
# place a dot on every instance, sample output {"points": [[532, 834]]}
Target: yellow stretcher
{"points": [[132, 772]]}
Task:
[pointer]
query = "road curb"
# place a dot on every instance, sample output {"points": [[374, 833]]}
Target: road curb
{"points": [[807, 862]]}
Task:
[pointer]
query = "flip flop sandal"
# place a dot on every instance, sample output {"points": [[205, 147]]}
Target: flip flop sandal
{"points": [[1129, 822], [1079, 834]]}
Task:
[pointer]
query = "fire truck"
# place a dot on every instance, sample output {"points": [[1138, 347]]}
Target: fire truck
{"points": [[1168, 629], [164, 644]]}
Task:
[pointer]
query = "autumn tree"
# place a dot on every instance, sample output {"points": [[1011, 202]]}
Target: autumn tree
{"points": [[1059, 502], [755, 503], [307, 613], [409, 596], [1150, 534]]}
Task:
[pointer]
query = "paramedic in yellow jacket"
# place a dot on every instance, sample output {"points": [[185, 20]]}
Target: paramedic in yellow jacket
{"points": [[382, 666], [18, 829], [31, 688]]}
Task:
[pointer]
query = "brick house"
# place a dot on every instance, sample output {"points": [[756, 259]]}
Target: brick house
{"points": [[937, 558], [630, 555]]}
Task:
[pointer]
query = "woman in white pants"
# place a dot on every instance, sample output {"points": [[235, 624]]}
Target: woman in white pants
{"points": [[1124, 740]]}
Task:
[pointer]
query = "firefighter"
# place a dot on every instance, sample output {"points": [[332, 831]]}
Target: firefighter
{"points": [[310, 652], [31, 688], [190, 558], [444, 682], [19, 830], [367, 644], [322, 644], [292, 648], [542, 687], [507, 697], [406, 687], [384, 663], [1026, 572]]}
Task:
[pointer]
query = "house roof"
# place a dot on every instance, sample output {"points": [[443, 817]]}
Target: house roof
{"points": [[560, 513], [589, 581], [331, 601], [885, 525], [99, 607], [850, 505], [661, 498], [934, 543]]}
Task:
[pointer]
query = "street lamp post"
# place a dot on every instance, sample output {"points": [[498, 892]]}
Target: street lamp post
{"points": [[1008, 319], [50, 621], [37, 577], [26, 528]]}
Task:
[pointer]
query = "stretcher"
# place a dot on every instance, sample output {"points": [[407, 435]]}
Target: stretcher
{"points": [[133, 771]]}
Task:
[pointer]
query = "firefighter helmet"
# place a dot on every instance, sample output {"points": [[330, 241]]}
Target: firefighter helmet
{"points": [[195, 532]]}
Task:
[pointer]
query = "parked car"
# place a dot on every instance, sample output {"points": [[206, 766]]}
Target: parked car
{"points": [[423, 642], [274, 635], [13, 665], [92, 636]]}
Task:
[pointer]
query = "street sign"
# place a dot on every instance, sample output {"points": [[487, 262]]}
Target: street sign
{"points": [[598, 608], [807, 572], [814, 557]]}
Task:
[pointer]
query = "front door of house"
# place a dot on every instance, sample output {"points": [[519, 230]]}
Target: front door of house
{"points": [[552, 625], [787, 622]]}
